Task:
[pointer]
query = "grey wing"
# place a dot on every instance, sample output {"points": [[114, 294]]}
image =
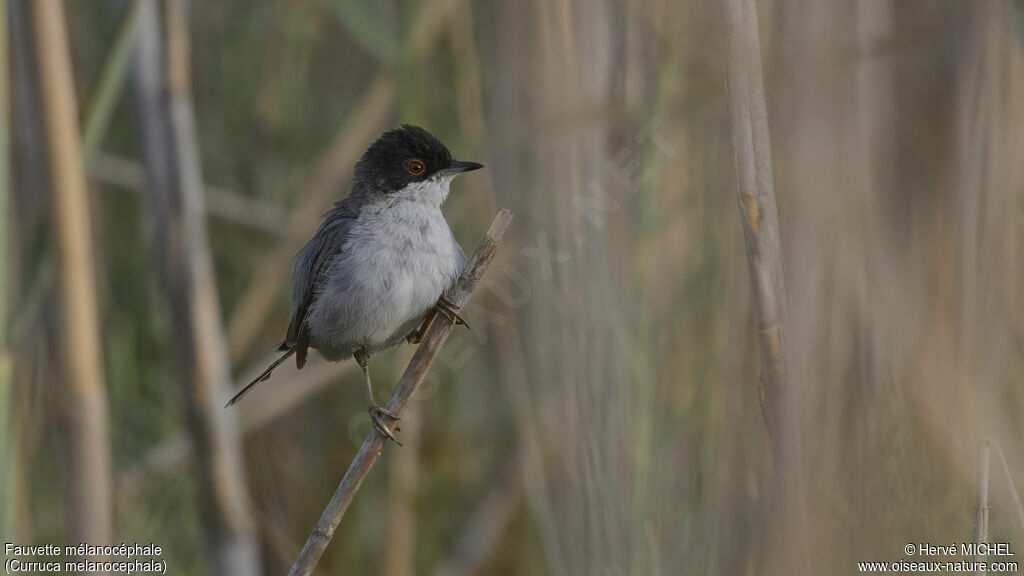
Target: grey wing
{"points": [[307, 276]]}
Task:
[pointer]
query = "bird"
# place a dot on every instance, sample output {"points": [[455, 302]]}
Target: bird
{"points": [[376, 271]]}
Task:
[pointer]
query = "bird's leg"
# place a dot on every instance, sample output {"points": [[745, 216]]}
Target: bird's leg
{"points": [[377, 412], [416, 336], [445, 307]]}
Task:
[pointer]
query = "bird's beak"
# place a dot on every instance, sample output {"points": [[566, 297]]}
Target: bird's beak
{"points": [[458, 167]]}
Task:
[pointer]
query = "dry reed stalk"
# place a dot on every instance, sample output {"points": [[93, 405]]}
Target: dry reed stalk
{"points": [[756, 194], [85, 396], [411, 378], [763, 240]]}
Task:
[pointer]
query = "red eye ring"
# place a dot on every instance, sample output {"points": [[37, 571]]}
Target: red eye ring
{"points": [[415, 167]]}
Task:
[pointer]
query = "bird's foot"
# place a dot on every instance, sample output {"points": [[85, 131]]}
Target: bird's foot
{"points": [[381, 418], [445, 307]]}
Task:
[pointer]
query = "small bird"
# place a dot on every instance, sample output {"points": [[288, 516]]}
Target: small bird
{"points": [[376, 271]]}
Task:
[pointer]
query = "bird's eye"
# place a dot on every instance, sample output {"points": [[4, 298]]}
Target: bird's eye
{"points": [[415, 167]]}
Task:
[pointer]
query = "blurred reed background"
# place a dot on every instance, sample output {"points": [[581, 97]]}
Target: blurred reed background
{"points": [[603, 415]]}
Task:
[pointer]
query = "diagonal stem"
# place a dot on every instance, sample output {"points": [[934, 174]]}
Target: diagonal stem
{"points": [[109, 86]]}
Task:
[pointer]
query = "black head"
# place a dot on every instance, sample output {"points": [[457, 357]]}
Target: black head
{"points": [[405, 155]]}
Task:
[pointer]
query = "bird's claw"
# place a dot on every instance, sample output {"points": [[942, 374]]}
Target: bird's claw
{"points": [[377, 416], [450, 311]]}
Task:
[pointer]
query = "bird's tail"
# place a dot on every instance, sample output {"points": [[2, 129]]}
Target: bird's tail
{"points": [[263, 375]]}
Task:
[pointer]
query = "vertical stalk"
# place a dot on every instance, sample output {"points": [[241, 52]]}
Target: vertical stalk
{"points": [[173, 178], [762, 237], [6, 413], [84, 393], [756, 194], [981, 511]]}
